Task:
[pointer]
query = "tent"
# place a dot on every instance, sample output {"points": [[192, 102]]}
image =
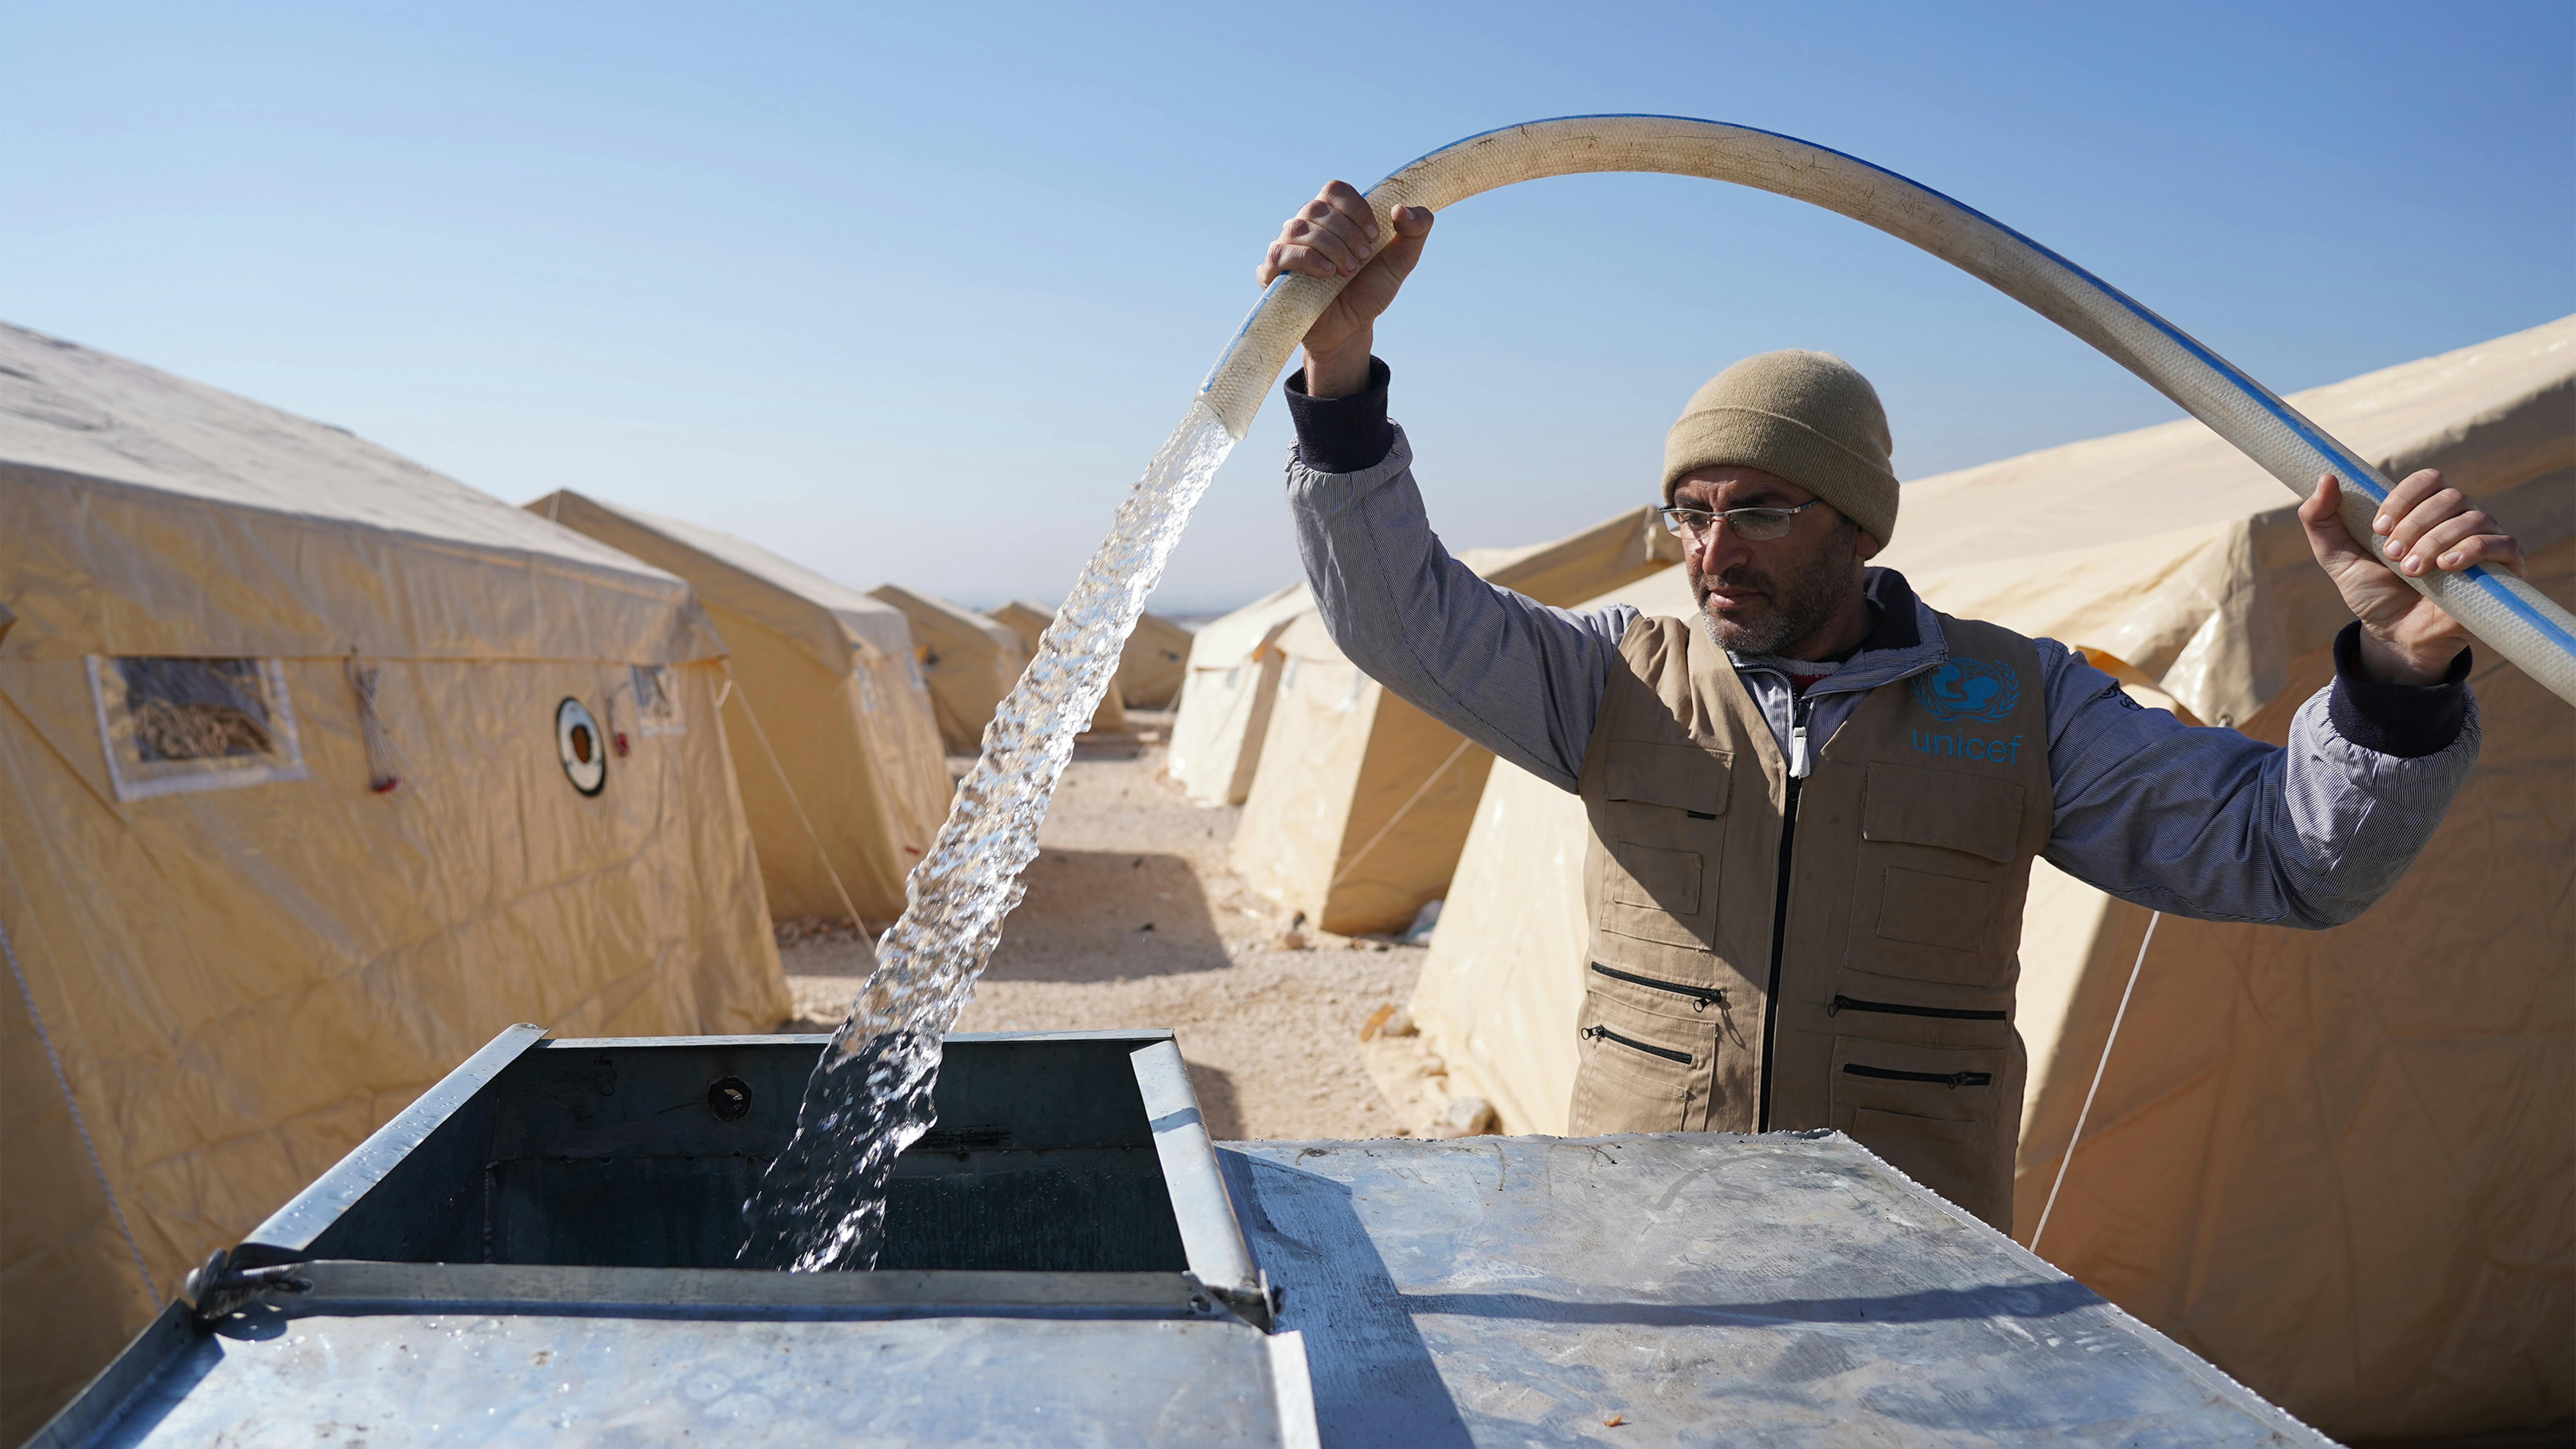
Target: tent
{"points": [[1361, 801], [834, 744], [2338, 1163], [317, 769], [1029, 620], [1225, 704], [970, 662], [1155, 661]]}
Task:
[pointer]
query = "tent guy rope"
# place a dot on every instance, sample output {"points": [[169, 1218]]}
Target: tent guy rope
{"points": [[797, 803], [2099, 1067]]}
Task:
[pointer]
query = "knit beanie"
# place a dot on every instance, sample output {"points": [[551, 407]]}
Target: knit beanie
{"points": [[1808, 417]]}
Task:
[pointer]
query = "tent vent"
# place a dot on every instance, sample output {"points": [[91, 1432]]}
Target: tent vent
{"points": [[657, 700]]}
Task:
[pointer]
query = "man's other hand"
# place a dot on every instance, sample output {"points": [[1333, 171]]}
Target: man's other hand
{"points": [[2406, 638], [1335, 235]]}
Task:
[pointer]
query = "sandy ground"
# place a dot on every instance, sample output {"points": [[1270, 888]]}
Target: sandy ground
{"points": [[1133, 919]]}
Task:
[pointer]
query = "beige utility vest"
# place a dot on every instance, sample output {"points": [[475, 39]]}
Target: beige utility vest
{"points": [[1907, 852]]}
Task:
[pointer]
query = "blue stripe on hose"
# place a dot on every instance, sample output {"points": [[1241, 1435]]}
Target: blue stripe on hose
{"points": [[2520, 608]]}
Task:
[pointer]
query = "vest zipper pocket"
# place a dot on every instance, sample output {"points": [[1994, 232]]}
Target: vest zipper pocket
{"points": [[1603, 1033], [1952, 1080], [1701, 997], [1891, 1008]]}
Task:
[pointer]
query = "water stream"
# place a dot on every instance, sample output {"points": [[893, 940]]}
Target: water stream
{"points": [[822, 1204]]}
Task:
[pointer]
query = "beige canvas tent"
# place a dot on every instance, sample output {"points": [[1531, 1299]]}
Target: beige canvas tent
{"points": [[2338, 1163], [834, 745], [1154, 663], [1029, 620], [970, 662], [1361, 802], [1225, 702], [231, 628]]}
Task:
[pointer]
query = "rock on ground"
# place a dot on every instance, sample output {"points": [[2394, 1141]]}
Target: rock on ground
{"points": [[1134, 919]]}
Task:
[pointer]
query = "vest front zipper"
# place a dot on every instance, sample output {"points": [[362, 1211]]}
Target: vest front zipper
{"points": [[1846, 1003], [1603, 1033], [1953, 1080], [1701, 997], [1799, 711]]}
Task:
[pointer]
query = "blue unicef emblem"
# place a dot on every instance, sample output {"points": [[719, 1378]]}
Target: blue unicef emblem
{"points": [[1965, 689]]}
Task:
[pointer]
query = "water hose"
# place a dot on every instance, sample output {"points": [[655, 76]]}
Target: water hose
{"points": [[2503, 612]]}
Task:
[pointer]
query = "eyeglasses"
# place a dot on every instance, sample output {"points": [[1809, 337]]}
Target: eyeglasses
{"points": [[1755, 524]]}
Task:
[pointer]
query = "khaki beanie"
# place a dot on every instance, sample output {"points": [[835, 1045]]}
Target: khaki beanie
{"points": [[1808, 417]]}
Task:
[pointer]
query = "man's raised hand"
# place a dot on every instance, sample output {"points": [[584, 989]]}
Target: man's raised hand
{"points": [[1335, 235], [2429, 527]]}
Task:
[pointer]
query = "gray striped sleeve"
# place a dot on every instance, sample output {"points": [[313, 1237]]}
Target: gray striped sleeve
{"points": [[1520, 678]]}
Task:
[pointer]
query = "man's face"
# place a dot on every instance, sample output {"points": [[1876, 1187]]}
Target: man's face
{"points": [[1763, 596]]}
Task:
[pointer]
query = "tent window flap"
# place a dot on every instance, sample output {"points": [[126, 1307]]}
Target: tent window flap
{"points": [[169, 725]]}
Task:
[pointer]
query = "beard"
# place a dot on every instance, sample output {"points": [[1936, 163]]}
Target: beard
{"points": [[1784, 616]]}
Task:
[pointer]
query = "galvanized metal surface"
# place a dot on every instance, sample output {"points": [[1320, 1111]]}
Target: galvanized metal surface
{"points": [[402, 1379], [1781, 1290], [1210, 1235], [290, 1232]]}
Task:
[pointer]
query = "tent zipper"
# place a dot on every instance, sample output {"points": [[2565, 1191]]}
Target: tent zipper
{"points": [[1603, 1033], [1891, 1008], [1953, 1080]]}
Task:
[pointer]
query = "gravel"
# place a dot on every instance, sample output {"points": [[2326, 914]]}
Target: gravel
{"points": [[1134, 919]]}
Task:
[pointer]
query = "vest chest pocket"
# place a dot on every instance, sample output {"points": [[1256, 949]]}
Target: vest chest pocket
{"points": [[1685, 777], [1659, 842], [1940, 852]]}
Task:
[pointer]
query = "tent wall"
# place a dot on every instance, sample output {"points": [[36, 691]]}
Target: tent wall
{"points": [[1154, 663], [243, 983], [1362, 803], [1226, 700], [969, 661], [863, 771], [833, 741]]}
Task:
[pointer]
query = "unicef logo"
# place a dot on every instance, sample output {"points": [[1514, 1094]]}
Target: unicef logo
{"points": [[1965, 689]]}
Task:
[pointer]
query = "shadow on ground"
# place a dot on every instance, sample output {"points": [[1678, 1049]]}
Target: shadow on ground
{"points": [[1101, 915], [1220, 1110]]}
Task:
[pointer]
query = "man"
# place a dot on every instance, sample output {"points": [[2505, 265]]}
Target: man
{"points": [[1814, 807]]}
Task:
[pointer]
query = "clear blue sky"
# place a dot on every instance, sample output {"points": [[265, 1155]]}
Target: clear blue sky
{"points": [[913, 293]]}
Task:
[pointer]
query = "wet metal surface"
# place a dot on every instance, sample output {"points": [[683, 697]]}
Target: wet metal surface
{"points": [[1704, 1288]]}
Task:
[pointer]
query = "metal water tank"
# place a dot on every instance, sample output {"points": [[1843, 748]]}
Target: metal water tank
{"points": [[542, 1246]]}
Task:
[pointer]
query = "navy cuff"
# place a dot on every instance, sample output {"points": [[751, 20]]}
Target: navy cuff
{"points": [[1342, 434], [2406, 721]]}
